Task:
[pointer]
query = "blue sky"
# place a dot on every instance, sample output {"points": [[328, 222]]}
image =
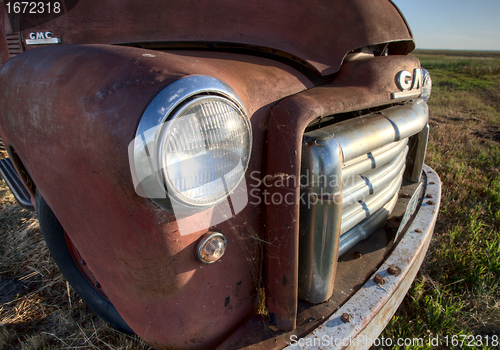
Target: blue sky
{"points": [[453, 24]]}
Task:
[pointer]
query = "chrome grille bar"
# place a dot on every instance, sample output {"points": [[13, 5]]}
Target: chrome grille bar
{"points": [[361, 210], [373, 159], [366, 227], [360, 186], [359, 136]]}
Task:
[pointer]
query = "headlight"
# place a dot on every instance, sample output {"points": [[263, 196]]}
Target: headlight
{"points": [[205, 150], [193, 144], [426, 85]]}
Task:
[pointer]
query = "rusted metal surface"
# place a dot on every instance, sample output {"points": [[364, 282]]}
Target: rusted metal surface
{"points": [[373, 305], [84, 269], [359, 85], [92, 102], [4, 29], [355, 268], [78, 107], [318, 35]]}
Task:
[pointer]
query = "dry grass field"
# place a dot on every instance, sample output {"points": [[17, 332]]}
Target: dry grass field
{"points": [[457, 291]]}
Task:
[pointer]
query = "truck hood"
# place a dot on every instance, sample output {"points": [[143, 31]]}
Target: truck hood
{"points": [[316, 34]]}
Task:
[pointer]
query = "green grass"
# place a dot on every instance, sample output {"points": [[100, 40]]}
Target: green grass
{"points": [[462, 73], [457, 292]]}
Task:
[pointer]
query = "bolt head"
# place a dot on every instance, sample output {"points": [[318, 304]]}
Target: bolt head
{"points": [[356, 255], [345, 317], [394, 270], [379, 279]]}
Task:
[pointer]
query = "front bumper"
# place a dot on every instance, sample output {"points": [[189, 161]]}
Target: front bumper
{"points": [[373, 305]]}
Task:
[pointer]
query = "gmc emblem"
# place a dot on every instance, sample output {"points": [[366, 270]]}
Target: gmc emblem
{"points": [[42, 38], [408, 84]]}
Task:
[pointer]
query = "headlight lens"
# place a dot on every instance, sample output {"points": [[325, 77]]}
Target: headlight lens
{"points": [[426, 85], [204, 151], [192, 145]]}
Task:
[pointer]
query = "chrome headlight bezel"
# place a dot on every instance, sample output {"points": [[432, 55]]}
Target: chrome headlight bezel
{"points": [[426, 85], [145, 151]]}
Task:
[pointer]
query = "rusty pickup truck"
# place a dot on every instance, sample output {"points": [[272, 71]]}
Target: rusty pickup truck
{"points": [[223, 173]]}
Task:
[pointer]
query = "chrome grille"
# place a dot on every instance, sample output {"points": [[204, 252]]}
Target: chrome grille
{"points": [[354, 170], [367, 194]]}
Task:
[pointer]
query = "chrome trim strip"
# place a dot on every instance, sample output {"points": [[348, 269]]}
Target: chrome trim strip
{"points": [[43, 41], [418, 163], [403, 94]]}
